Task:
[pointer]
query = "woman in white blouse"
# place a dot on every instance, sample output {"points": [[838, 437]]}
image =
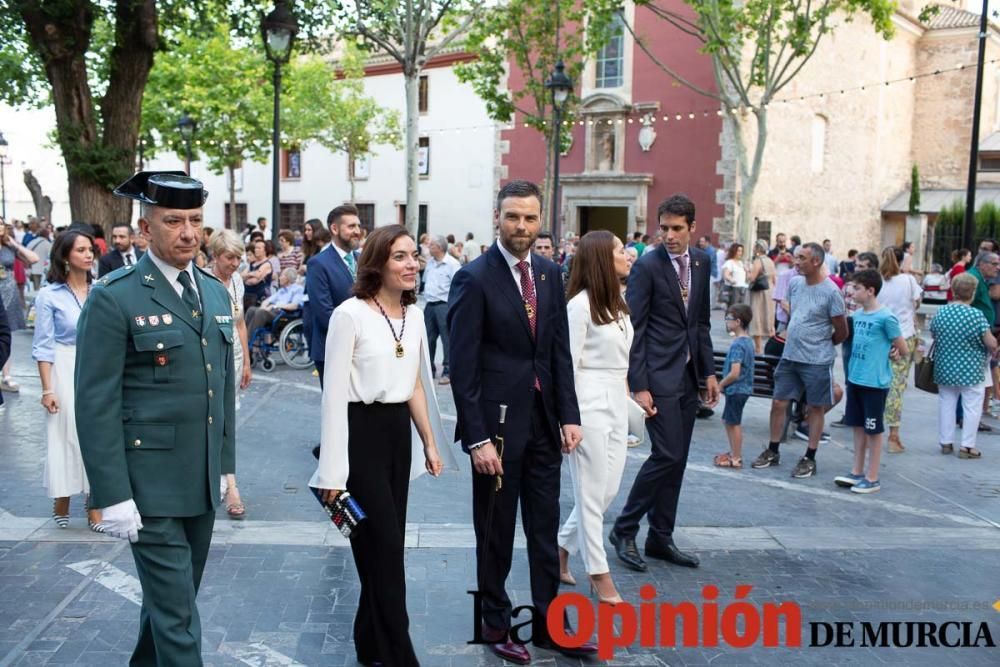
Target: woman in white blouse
{"points": [[734, 275], [600, 335], [380, 381]]}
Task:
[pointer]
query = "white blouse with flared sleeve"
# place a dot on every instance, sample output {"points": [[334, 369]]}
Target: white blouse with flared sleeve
{"points": [[603, 347], [362, 366]]}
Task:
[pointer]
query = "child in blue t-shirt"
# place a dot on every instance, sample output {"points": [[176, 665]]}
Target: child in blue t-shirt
{"points": [[737, 383], [877, 339]]}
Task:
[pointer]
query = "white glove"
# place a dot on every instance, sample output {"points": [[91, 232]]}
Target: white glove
{"points": [[122, 520]]}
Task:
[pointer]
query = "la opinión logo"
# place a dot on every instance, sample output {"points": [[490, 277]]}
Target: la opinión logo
{"points": [[737, 624]]}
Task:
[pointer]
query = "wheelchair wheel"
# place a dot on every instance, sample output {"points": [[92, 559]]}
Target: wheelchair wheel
{"points": [[267, 364], [293, 346]]}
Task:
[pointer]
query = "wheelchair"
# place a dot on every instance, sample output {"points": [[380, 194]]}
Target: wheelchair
{"points": [[288, 339]]}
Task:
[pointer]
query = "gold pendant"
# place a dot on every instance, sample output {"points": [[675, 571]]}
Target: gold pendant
{"points": [[528, 308], [684, 293], [399, 350]]}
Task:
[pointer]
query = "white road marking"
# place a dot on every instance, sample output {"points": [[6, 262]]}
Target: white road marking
{"points": [[799, 487], [124, 584], [112, 578], [257, 655]]}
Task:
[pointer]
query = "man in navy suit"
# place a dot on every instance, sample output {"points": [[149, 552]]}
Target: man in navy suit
{"points": [[329, 280], [122, 254], [669, 364], [510, 345]]}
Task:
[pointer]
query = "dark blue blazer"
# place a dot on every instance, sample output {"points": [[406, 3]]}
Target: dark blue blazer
{"points": [[328, 284], [665, 333], [4, 340], [493, 358]]}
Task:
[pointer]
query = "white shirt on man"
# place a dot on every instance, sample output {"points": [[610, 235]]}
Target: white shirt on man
{"points": [[437, 278], [515, 272], [171, 272]]}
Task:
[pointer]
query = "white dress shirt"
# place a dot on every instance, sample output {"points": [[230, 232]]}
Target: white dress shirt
{"points": [[437, 278], [128, 257], [171, 272], [368, 371], [512, 262]]}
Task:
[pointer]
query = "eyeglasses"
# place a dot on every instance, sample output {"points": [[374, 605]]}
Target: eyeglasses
{"points": [[730, 318]]}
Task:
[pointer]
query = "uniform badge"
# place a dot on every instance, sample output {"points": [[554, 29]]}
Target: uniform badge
{"points": [[140, 320], [543, 276], [195, 314], [154, 321], [161, 359], [167, 318], [148, 277]]}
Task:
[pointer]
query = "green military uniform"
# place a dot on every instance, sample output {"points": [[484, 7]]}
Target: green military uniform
{"points": [[155, 410]]}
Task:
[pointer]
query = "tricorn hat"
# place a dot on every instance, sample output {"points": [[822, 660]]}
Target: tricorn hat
{"points": [[168, 189]]}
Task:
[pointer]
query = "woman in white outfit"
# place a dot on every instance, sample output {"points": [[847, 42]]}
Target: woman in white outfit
{"points": [[600, 334], [227, 251], [57, 309]]}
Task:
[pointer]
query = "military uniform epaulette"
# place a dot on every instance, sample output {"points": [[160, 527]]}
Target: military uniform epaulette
{"points": [[117, 274], [208, 273]]}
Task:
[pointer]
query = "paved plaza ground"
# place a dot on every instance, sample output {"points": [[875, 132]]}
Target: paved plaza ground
{"points": [[280, 588]]}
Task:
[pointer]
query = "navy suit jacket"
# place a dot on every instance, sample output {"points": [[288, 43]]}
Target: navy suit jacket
{"points": [[113, 261], [493, 358], [4, 340], [328, 284], [666, 333]]}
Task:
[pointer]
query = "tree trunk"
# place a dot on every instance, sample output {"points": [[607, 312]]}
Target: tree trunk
{"points": [[412, 79], [350, 173], [98, 156], [232, 220], [749, 175], [43, 204]]}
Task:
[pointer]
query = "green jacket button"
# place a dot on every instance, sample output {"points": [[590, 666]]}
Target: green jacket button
{"points": [[159, 346], [137, 442], [210, 419]]}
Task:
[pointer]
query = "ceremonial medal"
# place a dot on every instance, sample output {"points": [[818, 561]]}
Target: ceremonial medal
{"points": [[167, 318], [528, 308], [402, 329], [154, 321], [399, 350], [140, 320], [161, 359]]}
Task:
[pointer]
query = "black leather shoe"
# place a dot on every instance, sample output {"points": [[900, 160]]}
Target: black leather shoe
{"points": [[670, 553], [316, 452], [627, 552], [704, 413], [585, 650]]}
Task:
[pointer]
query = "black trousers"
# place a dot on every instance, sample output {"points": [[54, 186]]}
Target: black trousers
{"points": [[534, 481], [320, 367], [170, 559], [379, 456], [657, 486], [436, 321]]}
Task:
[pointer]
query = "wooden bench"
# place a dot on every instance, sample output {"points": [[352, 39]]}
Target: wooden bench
{"points": [[763, 384]]}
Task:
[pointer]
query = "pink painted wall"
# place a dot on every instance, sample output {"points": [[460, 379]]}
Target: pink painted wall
{"points": [[684, 156]]}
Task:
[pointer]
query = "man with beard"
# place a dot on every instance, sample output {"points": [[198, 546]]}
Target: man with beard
{"points": [[510, 346], [329, 279], [122, 254]]}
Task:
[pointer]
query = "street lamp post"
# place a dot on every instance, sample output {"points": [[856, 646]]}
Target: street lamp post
{"points": [[560, 85], [188, 126], [278, 30], [968, 229], [3, 184]]}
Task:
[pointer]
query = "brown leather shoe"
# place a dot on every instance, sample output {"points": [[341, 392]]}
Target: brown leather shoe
{"points": [[502, 646]]}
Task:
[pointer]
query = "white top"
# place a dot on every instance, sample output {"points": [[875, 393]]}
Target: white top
{"points": [[900, 294], [471, 250], [375, 374], [171, 272], [737, 271], [603, 347]]}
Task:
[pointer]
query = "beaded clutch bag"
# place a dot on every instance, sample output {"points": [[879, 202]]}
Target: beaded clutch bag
{"points": [[344, 511]]}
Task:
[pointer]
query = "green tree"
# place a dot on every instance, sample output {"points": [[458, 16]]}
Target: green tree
{"points": [[226, 89], [757, 48], [533, 36], [91, 59], [411, 32], [358, 123]]}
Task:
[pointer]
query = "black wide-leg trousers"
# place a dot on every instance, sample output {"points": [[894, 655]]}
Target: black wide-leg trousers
{"points": [[379, 445]]}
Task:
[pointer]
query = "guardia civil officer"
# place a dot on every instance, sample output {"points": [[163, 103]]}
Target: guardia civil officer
{"points": [[155, 410]]}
